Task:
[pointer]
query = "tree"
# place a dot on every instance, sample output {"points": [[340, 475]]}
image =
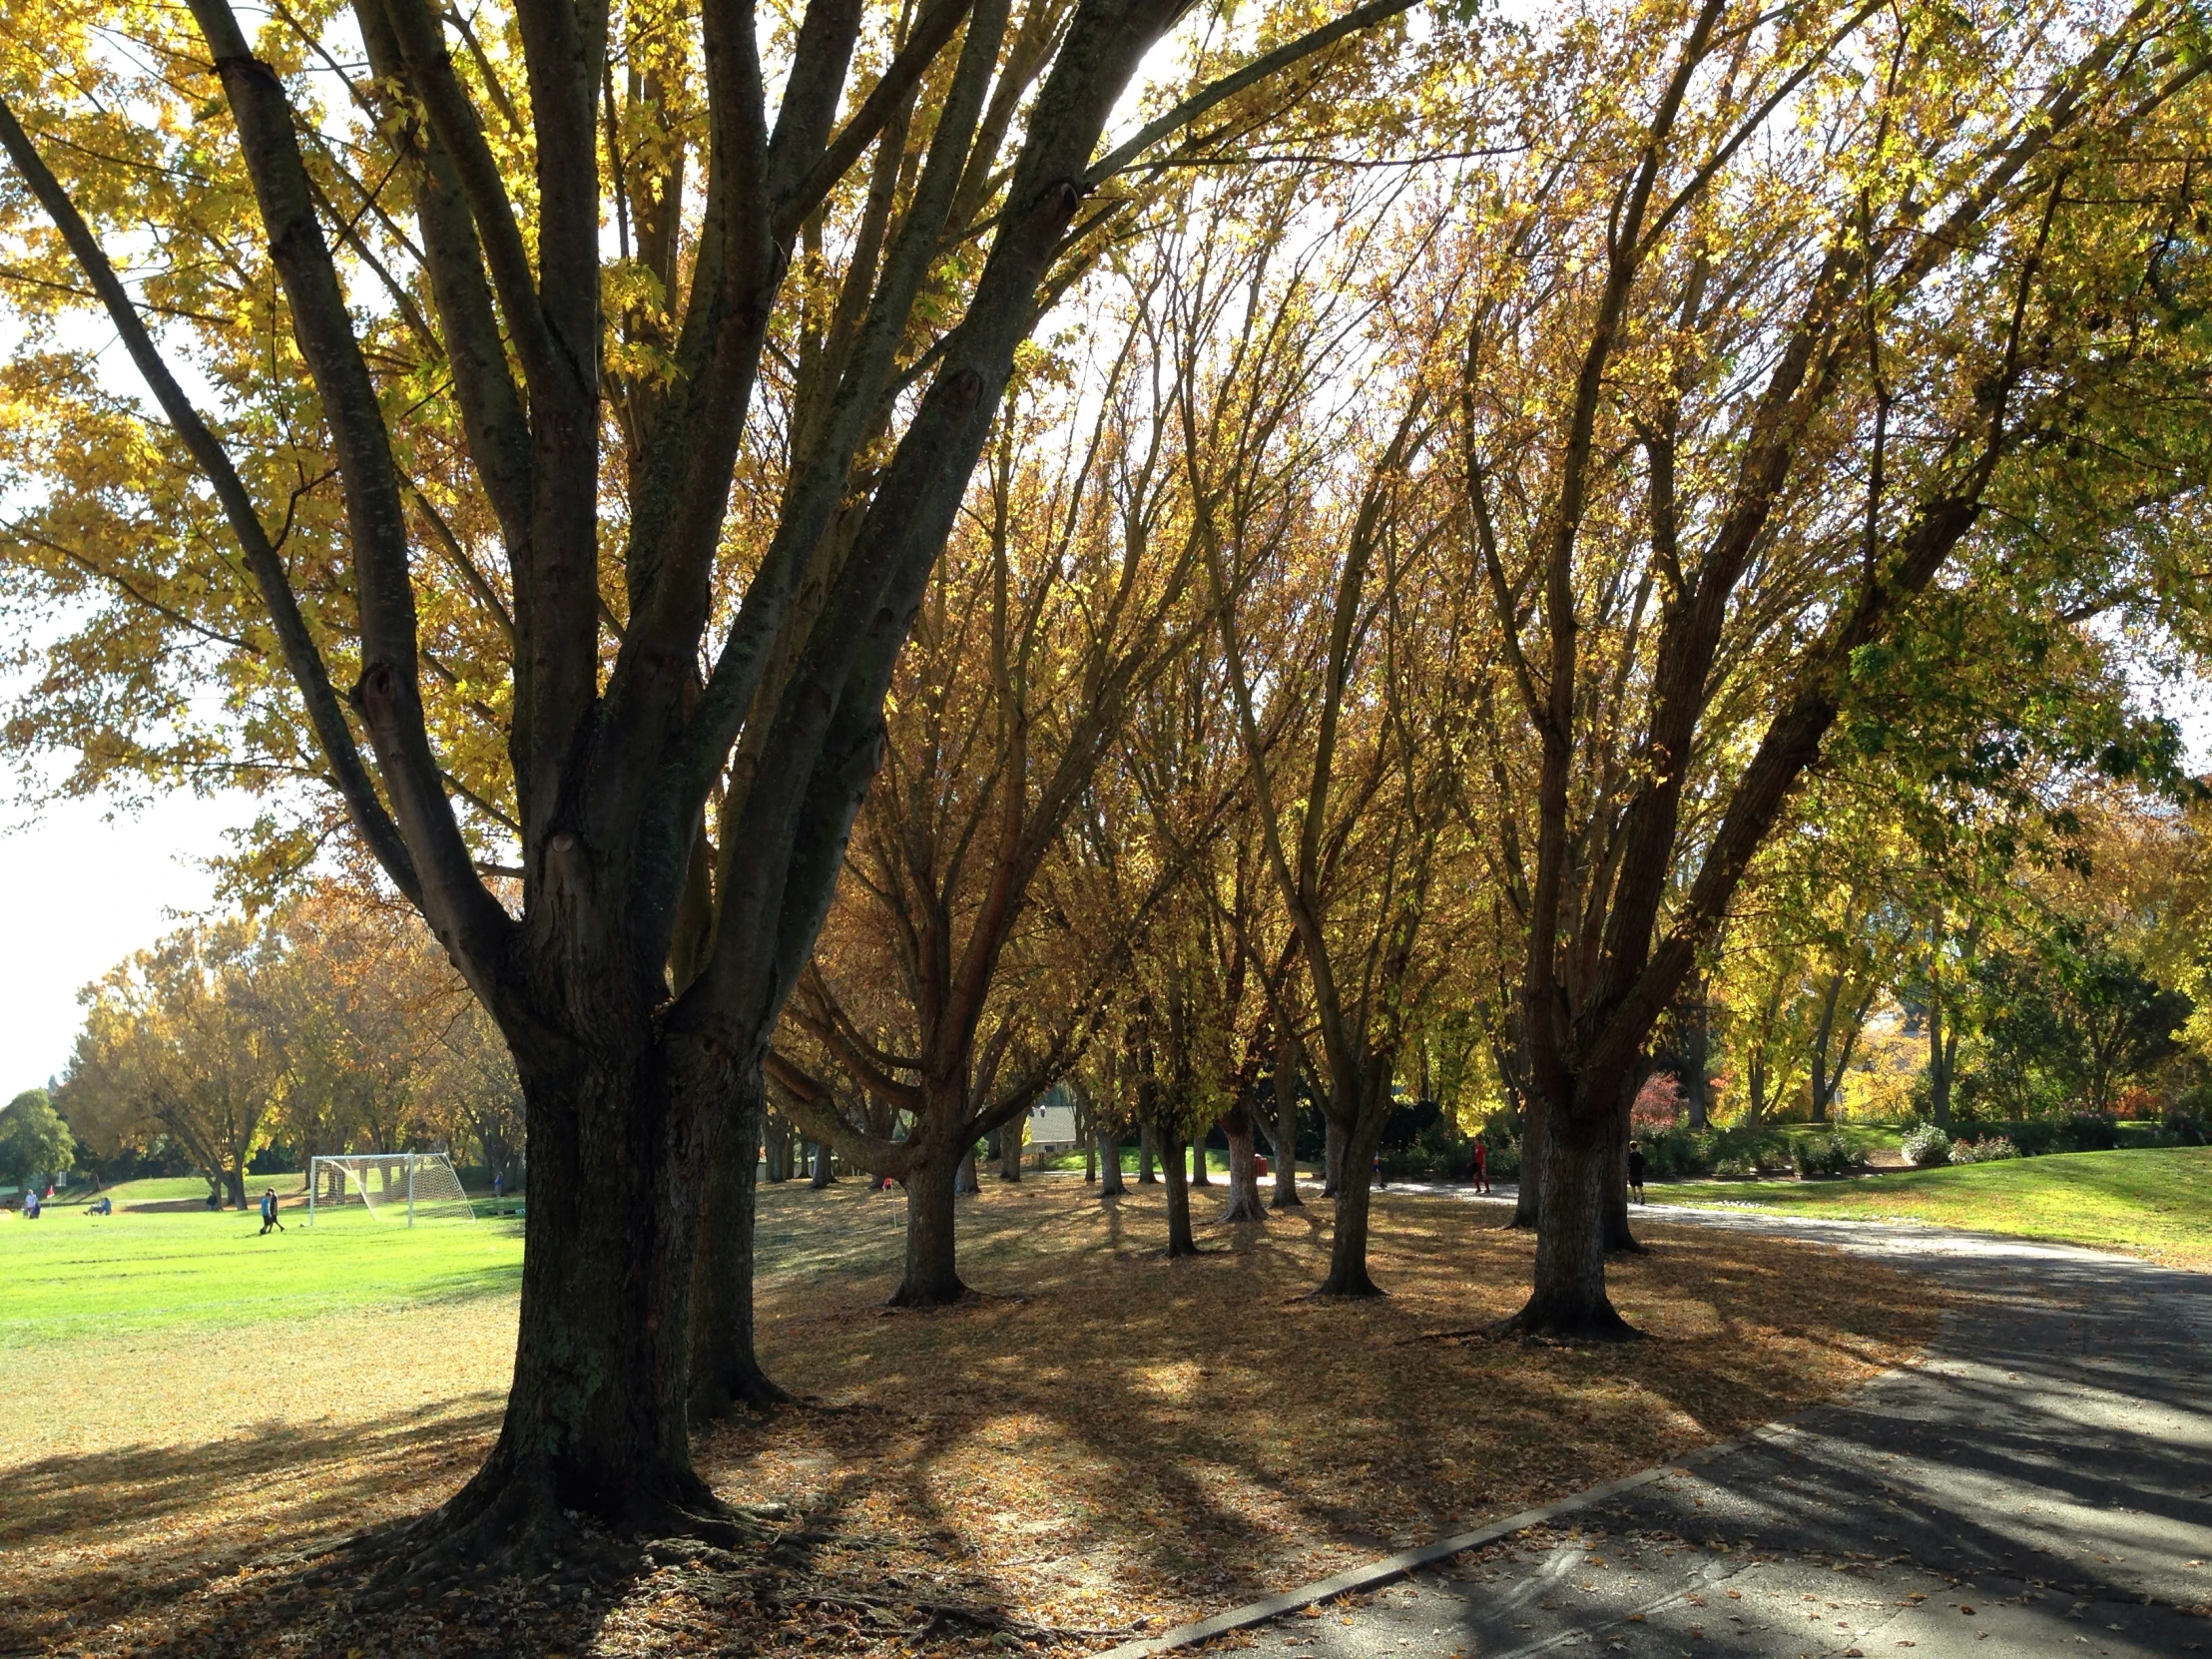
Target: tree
{"points": [[180, 1043], [35, 1144], [1700, 540], [654, 675]]}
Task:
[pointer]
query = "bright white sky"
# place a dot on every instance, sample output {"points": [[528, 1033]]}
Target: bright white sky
{"points": [[85, 891]]}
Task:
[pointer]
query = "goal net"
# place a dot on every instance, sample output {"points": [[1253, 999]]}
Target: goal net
{"points": [[404, 1187]]}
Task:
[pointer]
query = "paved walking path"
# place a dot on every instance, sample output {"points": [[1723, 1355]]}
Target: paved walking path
{"points": [[2041, 1485]]}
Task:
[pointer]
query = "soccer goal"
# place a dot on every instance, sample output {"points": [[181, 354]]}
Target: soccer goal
{"points": [[392, 1184]]}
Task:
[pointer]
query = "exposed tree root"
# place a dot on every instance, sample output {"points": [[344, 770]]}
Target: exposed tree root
{"points": [[930, 1296], [1244, 1211], [1600, 1323]]}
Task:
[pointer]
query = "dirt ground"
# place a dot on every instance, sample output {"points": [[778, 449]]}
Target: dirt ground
{"points": [[1100, 1442]]}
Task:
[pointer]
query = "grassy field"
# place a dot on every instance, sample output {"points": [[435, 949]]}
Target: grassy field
{"points": [[71, 1277], [1101, 1437], [2149, 1203]]}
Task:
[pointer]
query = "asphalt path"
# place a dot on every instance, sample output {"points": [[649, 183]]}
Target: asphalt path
{"points": [[2040, 1483]]}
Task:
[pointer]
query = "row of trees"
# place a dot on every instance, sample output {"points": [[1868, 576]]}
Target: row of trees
{"points": [[909, 599], [329, 1026]]}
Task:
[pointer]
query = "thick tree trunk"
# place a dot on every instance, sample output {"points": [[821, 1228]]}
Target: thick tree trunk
{"points": [[1568, 1299], [597, 1419], [969, 1181], [1180, 1241], [1109, 1165], [725, 1371], [1146, 1152], [1244, 1170], [823, 1176], [1286, 1129], [932, 1276], [233, 1179], [1528, 1206], [1009, 1149], [1347, 1246], [1199, 1175], [1090, 1159]]}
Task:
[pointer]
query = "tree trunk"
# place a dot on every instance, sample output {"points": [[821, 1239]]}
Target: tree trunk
{"points": [[724, 1369], [1940, 1049], [1333, 1166], [1286, 1129], [1244, 1170], [1529, 1205], [1199, 1175], [1009, 1149], [1090, 1159], [1617, 1235], [597, 1419], [823, 1176], [1180, 1241], [932, 1276], [1348, 1246], [1697, 1086], [1144, 1155], [235, 1179], [1109, 1165], [1569, 1298]]}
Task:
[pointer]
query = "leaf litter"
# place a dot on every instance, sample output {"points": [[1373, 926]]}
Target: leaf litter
{"points": [[1101, 1443]]}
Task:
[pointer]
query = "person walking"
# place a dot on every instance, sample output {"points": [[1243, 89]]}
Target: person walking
{"points": [[30, 1204], [269, 1213], [1481, 1168], [1637, 1171]]}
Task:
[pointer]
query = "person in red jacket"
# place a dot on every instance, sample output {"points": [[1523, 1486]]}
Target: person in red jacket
{"points": [[1481, 1168]]}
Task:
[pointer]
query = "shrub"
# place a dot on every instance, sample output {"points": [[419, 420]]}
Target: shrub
{"points": [[1925, 1145], [1813, 1155], [2184, 1127], [1989, 1149], [2086, 1132]]}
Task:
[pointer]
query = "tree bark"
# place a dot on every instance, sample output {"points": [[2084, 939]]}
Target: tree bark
{"points": [[1529, 1205], [1244, 1170], [1286, 1129], [1011, 1138], [932, 1276], [724, 1369], [233, 1179], [1199, 1175], [1109, 1165], [1943, 1046], [1347, 1246], [1569, 1298], [1180, 1241], [822, 1175], [1332, 1167], [969, 1181], [597, 1419], [1146, 1151], [1617, 1235]]}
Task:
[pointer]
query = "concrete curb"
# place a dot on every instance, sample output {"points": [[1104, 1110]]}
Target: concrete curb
{"points": [[1373, 1574]]}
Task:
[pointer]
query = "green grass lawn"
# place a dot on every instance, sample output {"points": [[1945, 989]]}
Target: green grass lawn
{"points": [[2151, 1203], [69, 1275]]}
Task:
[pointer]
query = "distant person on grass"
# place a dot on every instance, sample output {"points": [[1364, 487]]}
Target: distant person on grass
{"points": [[498, 1184], [1637, 1171], [269, 1213]]}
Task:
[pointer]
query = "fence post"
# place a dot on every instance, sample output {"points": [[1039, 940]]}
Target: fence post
{"points": [[410, 1189], [314, 1181]]}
